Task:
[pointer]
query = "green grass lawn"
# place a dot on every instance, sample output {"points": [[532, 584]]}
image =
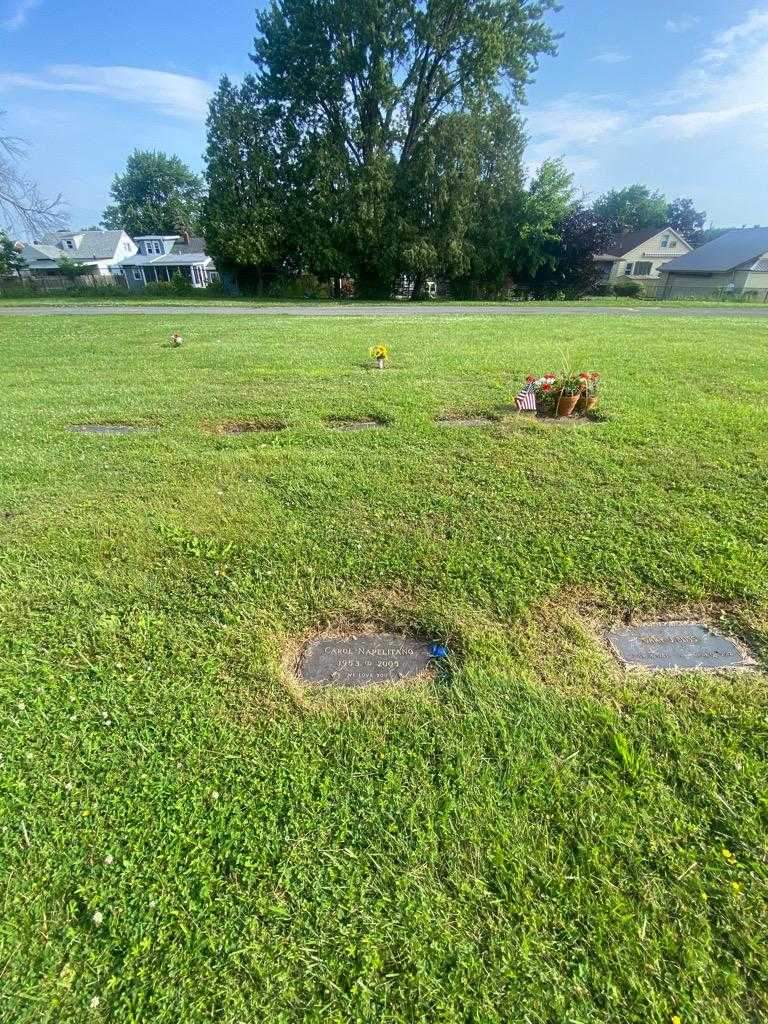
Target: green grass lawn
{"points": [[536, 836]]}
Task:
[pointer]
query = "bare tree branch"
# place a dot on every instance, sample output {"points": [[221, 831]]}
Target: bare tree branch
{"points": [[21, 204]]}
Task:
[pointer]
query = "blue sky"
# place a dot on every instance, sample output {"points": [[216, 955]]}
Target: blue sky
{"points": [[673, 95]]}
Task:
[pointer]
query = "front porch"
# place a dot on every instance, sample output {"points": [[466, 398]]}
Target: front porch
{"points": [[195, 274]]}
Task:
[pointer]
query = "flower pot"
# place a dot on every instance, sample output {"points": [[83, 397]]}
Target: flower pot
{"points": [[379, 364], [566, 404], [587, 403]]}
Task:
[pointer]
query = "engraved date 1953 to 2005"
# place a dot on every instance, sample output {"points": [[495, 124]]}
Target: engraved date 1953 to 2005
{"points": [[366, 659]]}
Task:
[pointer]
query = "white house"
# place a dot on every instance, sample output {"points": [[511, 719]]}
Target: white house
{"points": [[640, 255], [160, 257], [99, 253], [735, 263]]}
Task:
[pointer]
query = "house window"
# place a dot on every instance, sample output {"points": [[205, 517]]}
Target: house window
{"points": [[137, 275], [628, 269], [665, 242], [643, 269], [69, 243]]}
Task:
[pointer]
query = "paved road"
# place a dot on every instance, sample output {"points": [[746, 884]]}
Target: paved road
{"points": [[396, 309]]}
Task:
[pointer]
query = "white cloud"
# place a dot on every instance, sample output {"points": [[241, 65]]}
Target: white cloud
{"points": [[700, 122], [682, 24], [718, 105], [566, 126], [17, 14], [174, 95], [727, 87], [610, 57], [574, 118], [726, 43]]}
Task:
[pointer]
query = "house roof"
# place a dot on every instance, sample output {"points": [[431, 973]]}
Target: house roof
{"points": [[38, 251], [178, 259], [171, 259], [727, 252], [100, 245], [193, 245], [626, 241]]}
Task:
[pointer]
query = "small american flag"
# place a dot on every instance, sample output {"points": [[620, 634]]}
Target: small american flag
{"points": [[526, 399]]}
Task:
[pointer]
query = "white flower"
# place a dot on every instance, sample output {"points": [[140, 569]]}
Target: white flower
{"points": [[109, 859], [95, 1002], [97, 918], [68, 786]]}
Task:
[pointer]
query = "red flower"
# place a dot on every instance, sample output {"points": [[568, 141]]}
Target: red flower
{"points": [[546, 387], [529, 379], [583, 376], [549, 376]]}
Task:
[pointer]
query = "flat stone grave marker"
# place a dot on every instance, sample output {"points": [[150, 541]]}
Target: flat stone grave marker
{"points": [[251, 427], [350, 424], [466, 421], [107, 428], [676, 645], [363, 659]]}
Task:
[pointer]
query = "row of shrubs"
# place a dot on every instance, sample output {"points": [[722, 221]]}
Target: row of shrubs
{"points": [[622, 288]]}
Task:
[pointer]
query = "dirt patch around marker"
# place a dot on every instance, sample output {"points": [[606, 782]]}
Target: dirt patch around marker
{"points": [[237, 427], [341, 698], [109, 428], [590, 420], [577, 624], [351, 423]]}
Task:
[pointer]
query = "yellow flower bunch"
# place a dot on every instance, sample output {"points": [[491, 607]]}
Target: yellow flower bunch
{"points": [[380, 352]]}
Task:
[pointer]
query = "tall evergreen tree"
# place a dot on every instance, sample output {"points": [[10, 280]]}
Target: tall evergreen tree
{"points": [[10, 257], [366, 101], [243, 216]]}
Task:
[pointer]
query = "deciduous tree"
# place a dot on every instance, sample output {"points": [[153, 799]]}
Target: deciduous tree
{"points": [[569, 269], [683, 216], [21, 204], [157, 194], [632, 208]]}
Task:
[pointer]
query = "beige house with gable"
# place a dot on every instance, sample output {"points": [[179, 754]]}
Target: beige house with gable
{"points": [[639, 255]]}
